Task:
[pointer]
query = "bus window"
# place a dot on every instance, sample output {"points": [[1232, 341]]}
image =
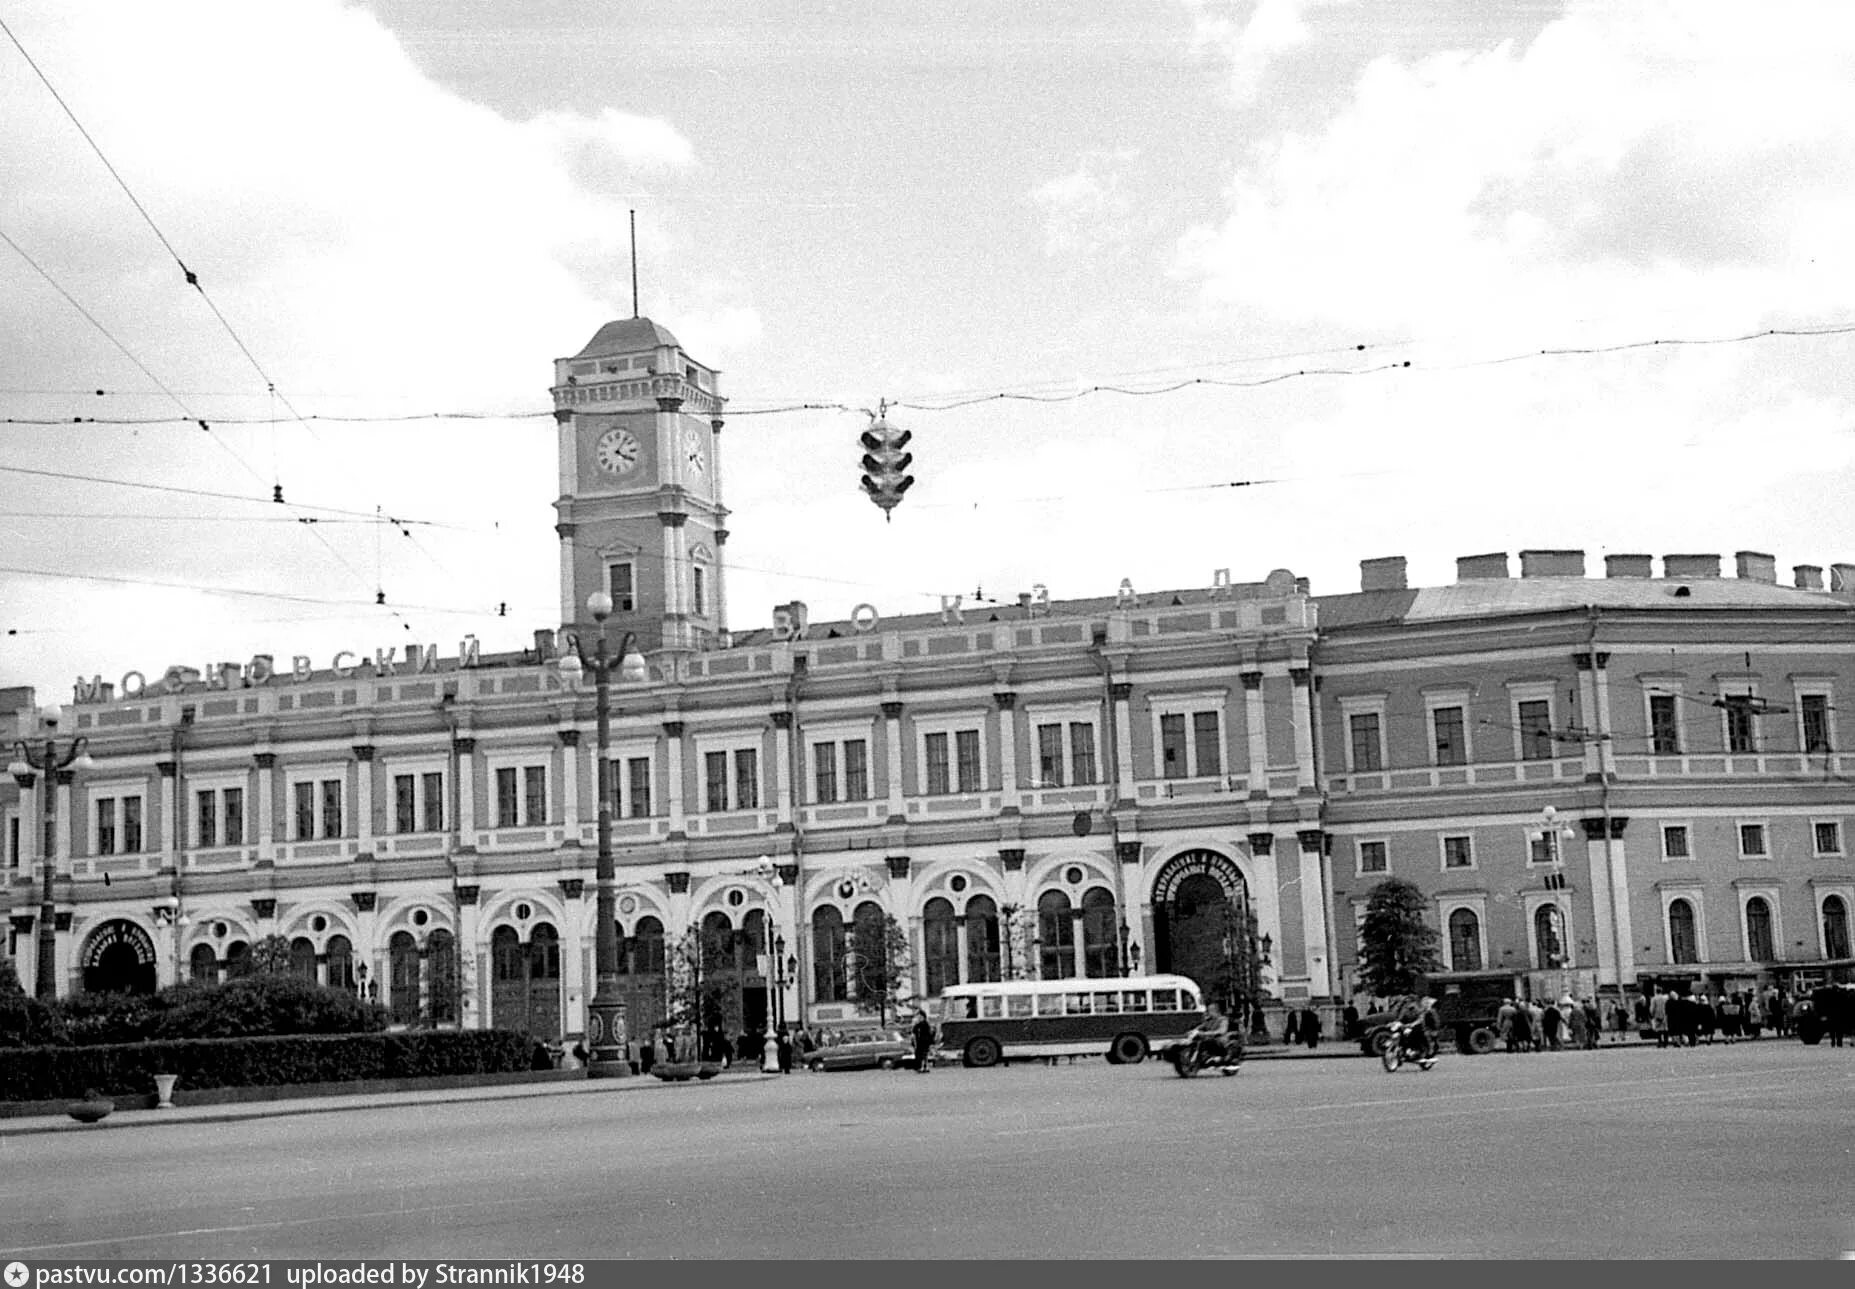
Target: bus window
{"points": [[1020, 1004], [1049, 1004], [1165, 1000], [991, 1006], [1077, 1005], [1133, 1000], [1106, 1003], [1188, 1000]]}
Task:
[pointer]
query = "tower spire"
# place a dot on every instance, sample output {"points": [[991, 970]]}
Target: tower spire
{"points": [[634, 264]]}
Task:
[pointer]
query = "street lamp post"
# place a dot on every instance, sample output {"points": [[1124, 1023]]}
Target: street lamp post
{"points": [[1130, 953], [767, 871], [1550, 834], [30, 759], [605, 1012]]}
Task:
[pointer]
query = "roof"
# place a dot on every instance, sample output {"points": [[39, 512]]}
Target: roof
{"points": [[626, 336], [1494, 597]]}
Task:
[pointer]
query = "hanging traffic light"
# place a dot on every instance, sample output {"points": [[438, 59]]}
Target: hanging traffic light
{"points": [[884, 462]]}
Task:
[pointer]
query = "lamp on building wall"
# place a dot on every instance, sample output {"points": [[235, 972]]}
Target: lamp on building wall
{"points": [[1130, 953], [605, 1012], [32, 758]]}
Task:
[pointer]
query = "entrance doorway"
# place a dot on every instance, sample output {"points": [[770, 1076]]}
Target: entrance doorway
{"points": [[119, 959], [1204, 929]]}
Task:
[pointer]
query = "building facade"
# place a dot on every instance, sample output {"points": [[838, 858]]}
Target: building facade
{"points": [[819, 821]]}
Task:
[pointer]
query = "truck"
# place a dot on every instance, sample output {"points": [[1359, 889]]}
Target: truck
{"points": [[1467, 1003]]}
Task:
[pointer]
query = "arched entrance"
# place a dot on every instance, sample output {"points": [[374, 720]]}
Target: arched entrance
{"points": [[525, 981], [1204, 928], [119, 959]]}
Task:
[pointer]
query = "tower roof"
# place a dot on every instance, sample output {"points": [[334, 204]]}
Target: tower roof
{"points": [[627, 336]]}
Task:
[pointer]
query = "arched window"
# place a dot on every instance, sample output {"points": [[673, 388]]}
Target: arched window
{"points": [[237, 960], [1464, 941], [1758, 930], [830, 979], [753, 938], [303, 958], [983, 960], [443, 970], [1683, 946], [1056, 930], [544, 952], [1549, 936], [203, 965], [717, 944], [873, 967], [506, 956], [940, 941], [1835, 927], [1100, 949], [646, 946], [403, 979], [340, 955]]}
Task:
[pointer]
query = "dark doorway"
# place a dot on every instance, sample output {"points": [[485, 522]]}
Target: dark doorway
{"points": [[120, 959], [1204, 930]]}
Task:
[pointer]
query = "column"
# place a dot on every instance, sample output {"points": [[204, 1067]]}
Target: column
{"points": [[1610, 905], [366, 951], [1600, 679], [721, 582], [364, 802], [892, 731], [569, 771], [172, 815], [960, 940], [673, 771], [464, 750], [1304, 730], [1134, 911], [901, 905], [1008, 750], [31, 857], [782, 767], [576, 944], [62, 832], [1254, 716], [1013, 948], [470, 1007], [1076, 942], [267, 806], [1587, 701], [675, 579], [1314, 914], [1120, 692], [1269, 899]]}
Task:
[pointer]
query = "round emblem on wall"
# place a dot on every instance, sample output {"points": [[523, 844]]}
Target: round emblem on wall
{"points": [[957, 883], [1073, 875], [318, 923], [420, 917], [846, 889], [628, 904], [736, 898], [524, 911]]}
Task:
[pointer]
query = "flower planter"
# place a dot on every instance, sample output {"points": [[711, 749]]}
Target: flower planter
{"points": [[92, 1109], [164, 1091], [683, 1071]]}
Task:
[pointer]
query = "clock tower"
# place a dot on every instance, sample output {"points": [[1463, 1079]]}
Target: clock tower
{"points": [[641, 515]]}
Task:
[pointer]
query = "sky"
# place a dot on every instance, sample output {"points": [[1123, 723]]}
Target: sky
{"points": [[1161, 287]]}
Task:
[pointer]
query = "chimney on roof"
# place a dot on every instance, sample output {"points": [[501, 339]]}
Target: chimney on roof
{"points": [[1809, 576], [1842, 577], [1757, 567], [1475, 568], [1629, 566], [1683, 566], [1383, 574], [1551, 563]]}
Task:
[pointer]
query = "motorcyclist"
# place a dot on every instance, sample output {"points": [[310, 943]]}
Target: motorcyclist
{"points": [[1429, 1026], [1214, 1031]]}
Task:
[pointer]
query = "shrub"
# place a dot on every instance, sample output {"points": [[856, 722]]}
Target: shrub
{"points": [[26, 1022], [254, 1005], [110, 1018]]}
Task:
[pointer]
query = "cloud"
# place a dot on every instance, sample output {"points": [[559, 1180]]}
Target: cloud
{"points": [[640, 142], [1253, 47], [1089, 209]]}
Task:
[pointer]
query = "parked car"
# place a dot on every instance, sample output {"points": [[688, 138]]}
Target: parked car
{"points": [[870, 1051]]}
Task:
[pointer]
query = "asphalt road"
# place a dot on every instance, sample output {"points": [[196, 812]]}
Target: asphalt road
{"points": [[1743, 1152]]}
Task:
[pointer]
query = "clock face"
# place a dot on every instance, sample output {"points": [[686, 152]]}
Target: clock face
{"points": [[617, 452], [692, 449]]}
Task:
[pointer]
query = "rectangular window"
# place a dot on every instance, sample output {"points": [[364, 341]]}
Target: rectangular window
{"points": [[12, 841], [131, 825], [1741, 723], [506, 803], [746, 779], [966, 747], [1815, 711], [106, 825], [1457, 853], [1675, 841], [701, 600], [405, 803], [1365, 741], [234, 799], [534, 795], [938, 778], [1372, 857], [1207, 744], [1535, 730], [1049, 756], [1172, 746], [331, 807], [305, 811], [1081, 752], [433, 805], [1451, 747], [856, 770], [824, 772], [715, 780], [1828, 836], [206, 812], [1752, 839], [619, 586], [1664, 730], [639, 784]]}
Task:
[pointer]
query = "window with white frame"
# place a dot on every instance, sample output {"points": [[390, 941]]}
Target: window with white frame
{"points": [[1364, 716], [219, 813], [316, 803], [1533, 719], [1188, 733], [1758, 924], [519, 791], [12, 839], [1662, 707], [1374, 857], [1826, 836], [1684, 927], [418, 797], [621, 585], [952, 758], [1753, 844], [1676, 842], [1739, 711], [1549, 934], [840, 763], [1458, 851], [730, 777], [116, 819], [1464, 923], [1066, 742], [628, 777], [1449, 731], [1816, 715]]}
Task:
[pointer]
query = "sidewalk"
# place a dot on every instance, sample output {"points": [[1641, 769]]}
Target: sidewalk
{"points": [[233, 1111]]}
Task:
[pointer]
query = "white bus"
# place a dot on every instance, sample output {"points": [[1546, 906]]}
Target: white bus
{"points": [[1119, 1018]]}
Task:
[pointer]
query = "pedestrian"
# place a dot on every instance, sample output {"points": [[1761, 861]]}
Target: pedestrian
{"points": [[1593, 1024], [1754, 1015], [923, 1034], [1706, 1019], [1350, 1019], [1731, 1013], [1579, 1026], [1778, 1011], [784, 1042], [1291, 1028], [1504, 1023], [1310, 1028], [1549, 1020], [1523, 1026], [1658, 1017]]}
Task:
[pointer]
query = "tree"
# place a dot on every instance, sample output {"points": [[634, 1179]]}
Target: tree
{"points": [[1396, 945], [269, 957], [880, 971]]}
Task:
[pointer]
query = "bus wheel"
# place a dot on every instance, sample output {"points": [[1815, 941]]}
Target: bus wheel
{"points": [[1128, 1049], [982, 1053], [1481, 1040]]}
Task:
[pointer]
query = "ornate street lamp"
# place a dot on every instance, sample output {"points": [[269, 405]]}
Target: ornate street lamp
{"points": [[1130, 953], [1549, 835], [605, 1011], [30, 759]]}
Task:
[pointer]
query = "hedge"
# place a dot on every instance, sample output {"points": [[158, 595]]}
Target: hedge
{"points": [[129, 1069]]}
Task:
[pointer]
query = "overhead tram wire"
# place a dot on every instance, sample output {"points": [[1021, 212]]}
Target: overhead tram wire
{"points": [[73, 477]]}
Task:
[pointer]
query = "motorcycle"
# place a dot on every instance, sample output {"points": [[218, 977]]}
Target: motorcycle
{"points": [[1193, 1055], [1406, 1042]]}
